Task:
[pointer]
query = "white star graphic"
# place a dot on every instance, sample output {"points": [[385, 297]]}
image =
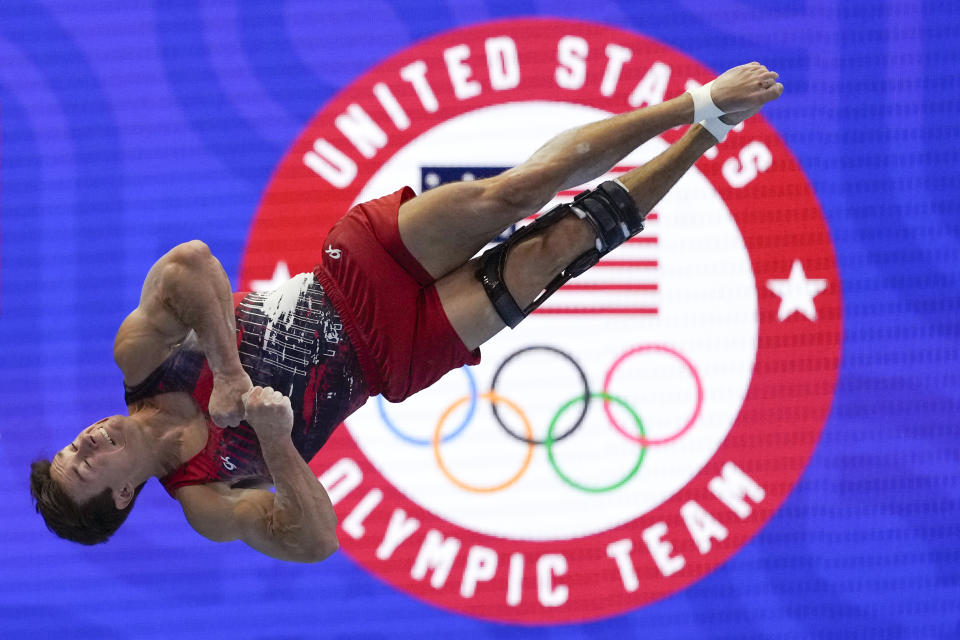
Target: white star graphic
{"points": [[797, 292], [281, 273]]}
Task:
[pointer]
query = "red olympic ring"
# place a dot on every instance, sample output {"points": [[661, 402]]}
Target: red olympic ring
{"points": [[696, 411]]}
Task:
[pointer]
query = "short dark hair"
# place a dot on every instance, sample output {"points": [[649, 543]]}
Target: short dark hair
{"points": [[90, 523]]}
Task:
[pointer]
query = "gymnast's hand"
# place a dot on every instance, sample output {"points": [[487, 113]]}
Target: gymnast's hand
{"points": [[269, 413], [226, 402]]}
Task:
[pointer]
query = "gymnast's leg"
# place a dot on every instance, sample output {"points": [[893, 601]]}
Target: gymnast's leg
{"points": [[446, 226], [536, 260]]}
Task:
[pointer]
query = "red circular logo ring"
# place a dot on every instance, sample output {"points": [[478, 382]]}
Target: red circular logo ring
{"points": [[797, 357]]}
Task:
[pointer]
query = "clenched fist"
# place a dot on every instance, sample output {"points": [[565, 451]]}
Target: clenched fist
{"points": [[268, 412], [226, 404]]}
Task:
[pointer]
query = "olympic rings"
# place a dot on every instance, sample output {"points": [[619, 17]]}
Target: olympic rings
{"points": [[381, 407], [550, 441], [493, 398], [583, 378], [696, 379]]}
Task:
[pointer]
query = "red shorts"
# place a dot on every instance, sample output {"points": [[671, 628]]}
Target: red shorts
{"points": [[387, 301]]}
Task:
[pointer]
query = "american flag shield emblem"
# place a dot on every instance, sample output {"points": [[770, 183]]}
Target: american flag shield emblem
{"points": [[625, 282]]}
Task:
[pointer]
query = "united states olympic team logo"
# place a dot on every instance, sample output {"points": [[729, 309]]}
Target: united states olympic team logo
{"points": [[636, 432]]}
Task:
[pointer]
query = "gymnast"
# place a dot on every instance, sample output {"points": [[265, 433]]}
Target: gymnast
{"points": [[229, 395]]}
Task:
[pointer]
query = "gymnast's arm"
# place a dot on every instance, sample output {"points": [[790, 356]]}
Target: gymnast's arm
{"points": [[297, 523], [186, 289]]}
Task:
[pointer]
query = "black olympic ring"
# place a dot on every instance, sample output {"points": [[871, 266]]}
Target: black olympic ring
{"points": [[586, 394]]}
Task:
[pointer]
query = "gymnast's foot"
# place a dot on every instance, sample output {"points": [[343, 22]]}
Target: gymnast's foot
{"points": [[735, 118], [744, 88], [741, 89]]}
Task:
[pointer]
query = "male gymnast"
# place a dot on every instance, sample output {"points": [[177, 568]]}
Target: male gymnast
{"points": [[397, 301]]}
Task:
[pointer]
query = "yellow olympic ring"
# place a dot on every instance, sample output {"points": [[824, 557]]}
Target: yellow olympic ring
{"points": [[494, 398]]}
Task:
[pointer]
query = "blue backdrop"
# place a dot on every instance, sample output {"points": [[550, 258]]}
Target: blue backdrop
{"points": [[129, 126]]}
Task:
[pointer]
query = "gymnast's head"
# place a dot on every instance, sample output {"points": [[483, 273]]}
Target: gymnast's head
{"points": [[87, 491]]}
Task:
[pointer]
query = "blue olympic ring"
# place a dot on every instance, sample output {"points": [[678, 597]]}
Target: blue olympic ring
{"points": [[426, 442]]}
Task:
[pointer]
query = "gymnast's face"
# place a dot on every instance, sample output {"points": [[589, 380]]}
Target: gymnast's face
{"points": [[102, 455]]}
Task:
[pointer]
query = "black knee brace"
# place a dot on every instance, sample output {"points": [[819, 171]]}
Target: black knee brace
{"points": [[610, 211]]}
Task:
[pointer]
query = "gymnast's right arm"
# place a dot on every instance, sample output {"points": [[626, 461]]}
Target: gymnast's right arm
{"points": [[297, 523], [186, 289]]}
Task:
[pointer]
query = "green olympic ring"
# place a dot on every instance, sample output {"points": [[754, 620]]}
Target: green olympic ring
{"points": [[548, 442]]}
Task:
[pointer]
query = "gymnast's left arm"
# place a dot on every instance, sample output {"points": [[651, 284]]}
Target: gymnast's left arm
{"points": [[296, 523], [186, 289]]}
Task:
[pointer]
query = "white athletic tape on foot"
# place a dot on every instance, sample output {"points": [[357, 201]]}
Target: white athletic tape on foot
{"points": [[717, 128], [703, 106]]}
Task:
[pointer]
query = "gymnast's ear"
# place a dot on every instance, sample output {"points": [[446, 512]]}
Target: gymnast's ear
{"points": [[123, 497]]}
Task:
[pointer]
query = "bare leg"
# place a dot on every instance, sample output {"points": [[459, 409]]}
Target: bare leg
{"points": [[444, 227], [534, 262]]}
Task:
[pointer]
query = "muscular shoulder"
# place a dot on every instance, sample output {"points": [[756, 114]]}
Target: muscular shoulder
{"points": [[154, 329], [219, 513], [209, 508]]}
